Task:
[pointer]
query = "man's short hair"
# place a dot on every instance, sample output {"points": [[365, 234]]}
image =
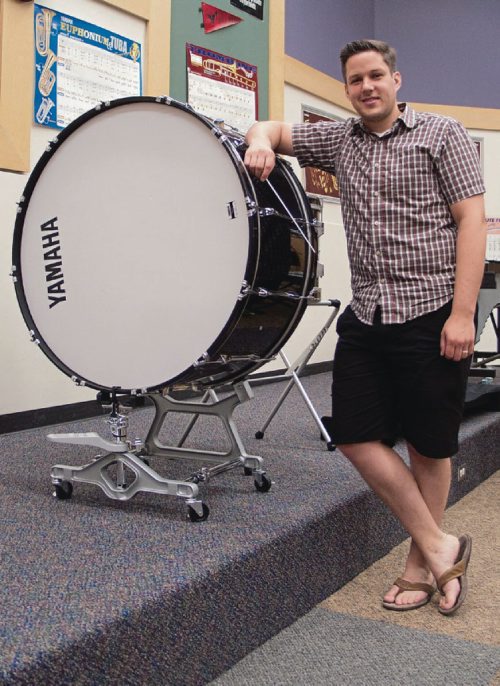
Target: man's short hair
{"points": [[355, 47]]}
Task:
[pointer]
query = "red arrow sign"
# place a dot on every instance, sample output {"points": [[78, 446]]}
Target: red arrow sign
{"points": [[215, 19]]}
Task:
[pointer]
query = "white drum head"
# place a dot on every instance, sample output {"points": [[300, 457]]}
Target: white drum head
{"points": [[131, 263]]}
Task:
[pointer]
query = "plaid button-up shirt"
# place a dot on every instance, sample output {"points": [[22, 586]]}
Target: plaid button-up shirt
{"points": [[396, 191]]}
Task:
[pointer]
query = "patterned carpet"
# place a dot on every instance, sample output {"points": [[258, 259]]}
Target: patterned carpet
{"points": [[98, 591], [350, 639]]}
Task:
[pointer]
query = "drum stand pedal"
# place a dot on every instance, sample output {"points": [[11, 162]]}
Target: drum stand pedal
{"points": [[293, 372], [123, 469]]}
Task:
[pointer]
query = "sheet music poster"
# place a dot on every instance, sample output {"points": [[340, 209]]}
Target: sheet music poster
{"points": [[222, 87], [77, 65]]}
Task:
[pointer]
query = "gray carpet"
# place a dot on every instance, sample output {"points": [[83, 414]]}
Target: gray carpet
{"points": [[95, 591], [342, 650]]}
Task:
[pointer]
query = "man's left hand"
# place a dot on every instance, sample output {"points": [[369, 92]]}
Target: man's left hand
{"points": [[457, 338]]}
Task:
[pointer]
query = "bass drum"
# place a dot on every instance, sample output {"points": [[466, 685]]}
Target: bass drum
{"points": [[145, 256]]}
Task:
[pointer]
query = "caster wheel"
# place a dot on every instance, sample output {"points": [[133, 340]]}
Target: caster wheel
{"points": [[259, 434], [331, 447], [247, 471], [63, 490], [265, 484], [195, 517]]}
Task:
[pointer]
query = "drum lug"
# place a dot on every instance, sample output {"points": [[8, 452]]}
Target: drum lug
{"points": [[204, 359], [77, 381], [139, 391], [51, 144], [167, 100], [33, 337], [251, 206], [267, 211], [245, 290]]}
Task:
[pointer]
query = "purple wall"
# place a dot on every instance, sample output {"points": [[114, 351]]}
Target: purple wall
{"points": [[448, 50], [316, 30]]}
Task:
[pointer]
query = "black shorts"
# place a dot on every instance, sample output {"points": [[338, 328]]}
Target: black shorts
{"points": [[390, 381]]}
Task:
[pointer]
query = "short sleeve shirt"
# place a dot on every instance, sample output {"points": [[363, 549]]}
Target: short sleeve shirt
{"points": [[395, 192]]}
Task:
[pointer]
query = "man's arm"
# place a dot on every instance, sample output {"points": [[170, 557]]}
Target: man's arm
{"points": [[264, 139], [458, 333]]}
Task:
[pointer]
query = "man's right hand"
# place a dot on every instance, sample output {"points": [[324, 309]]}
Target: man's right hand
{"points": [[260, 160], [263, 139]]}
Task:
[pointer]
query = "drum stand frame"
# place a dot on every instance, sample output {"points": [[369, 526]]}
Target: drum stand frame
{"points": [[134, 455]]}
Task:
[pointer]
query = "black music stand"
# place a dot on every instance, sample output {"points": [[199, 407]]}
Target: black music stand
{"points": [[293, 372], [488, 304]]}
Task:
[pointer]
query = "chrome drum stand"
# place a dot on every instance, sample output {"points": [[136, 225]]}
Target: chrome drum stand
{"points": [[123, 469]]}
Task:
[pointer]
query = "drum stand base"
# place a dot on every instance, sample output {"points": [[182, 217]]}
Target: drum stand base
{"points": [[123, 470]]}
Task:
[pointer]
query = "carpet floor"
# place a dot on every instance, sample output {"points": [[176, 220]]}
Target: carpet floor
{"points": [[350, 640]]}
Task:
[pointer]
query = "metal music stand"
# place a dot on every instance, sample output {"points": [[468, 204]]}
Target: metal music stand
{"points": [[294, 370], [488, 303]]}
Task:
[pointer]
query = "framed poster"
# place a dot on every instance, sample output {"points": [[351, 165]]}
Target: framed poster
{"points": [[317, 181], [77, 65], [222, 87]]}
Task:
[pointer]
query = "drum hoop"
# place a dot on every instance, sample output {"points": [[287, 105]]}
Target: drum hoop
{"points": [[23, 205]]}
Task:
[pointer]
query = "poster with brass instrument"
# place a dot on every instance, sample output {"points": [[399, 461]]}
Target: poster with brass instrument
{"points": [[319, 182], [77, 65], [222, 87]]}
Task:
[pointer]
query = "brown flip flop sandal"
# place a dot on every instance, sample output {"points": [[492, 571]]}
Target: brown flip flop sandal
{"points": [[458, 571], [405, 585]]}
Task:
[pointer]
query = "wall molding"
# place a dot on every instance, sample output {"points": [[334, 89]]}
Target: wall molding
{"points": [[327, 88]]}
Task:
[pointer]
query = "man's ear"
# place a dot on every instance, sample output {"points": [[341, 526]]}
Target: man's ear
{"points": [[397, 79]]}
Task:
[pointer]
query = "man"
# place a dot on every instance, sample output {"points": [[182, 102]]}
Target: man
{"points": [[413, 210]]}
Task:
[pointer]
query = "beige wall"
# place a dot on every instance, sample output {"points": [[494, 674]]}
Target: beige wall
{"points": [[29, 380]]}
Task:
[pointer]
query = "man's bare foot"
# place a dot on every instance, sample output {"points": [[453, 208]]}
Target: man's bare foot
{"points": [[400, 596], [441, 561]]}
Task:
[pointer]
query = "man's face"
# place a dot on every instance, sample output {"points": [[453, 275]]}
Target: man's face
{"points": [[371, 89]]}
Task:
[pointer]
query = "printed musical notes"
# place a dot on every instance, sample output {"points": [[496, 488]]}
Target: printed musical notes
{"points": [[221, 87], [78, 65]]}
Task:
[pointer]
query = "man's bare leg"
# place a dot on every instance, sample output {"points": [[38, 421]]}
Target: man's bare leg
{"points": [[433, 478], [386, 473]]}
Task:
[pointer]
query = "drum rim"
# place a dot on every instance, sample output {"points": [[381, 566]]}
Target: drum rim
{"points": [[23, 204]]}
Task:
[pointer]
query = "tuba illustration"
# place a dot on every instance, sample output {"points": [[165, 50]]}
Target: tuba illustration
{"points": [[47, 77], [43, 27]]}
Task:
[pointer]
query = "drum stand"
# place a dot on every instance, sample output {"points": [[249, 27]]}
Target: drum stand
{"points": [[293, 372], [124, 459]]}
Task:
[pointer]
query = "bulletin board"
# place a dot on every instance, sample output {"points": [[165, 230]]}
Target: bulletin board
{"points": [[247, 42]]}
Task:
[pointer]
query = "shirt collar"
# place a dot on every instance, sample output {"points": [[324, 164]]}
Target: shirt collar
{"points": [[407, 117]]}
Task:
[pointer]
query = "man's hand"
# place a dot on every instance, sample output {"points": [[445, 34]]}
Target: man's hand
{"points": [[263, 139], [457, 338], [260, 160]]}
